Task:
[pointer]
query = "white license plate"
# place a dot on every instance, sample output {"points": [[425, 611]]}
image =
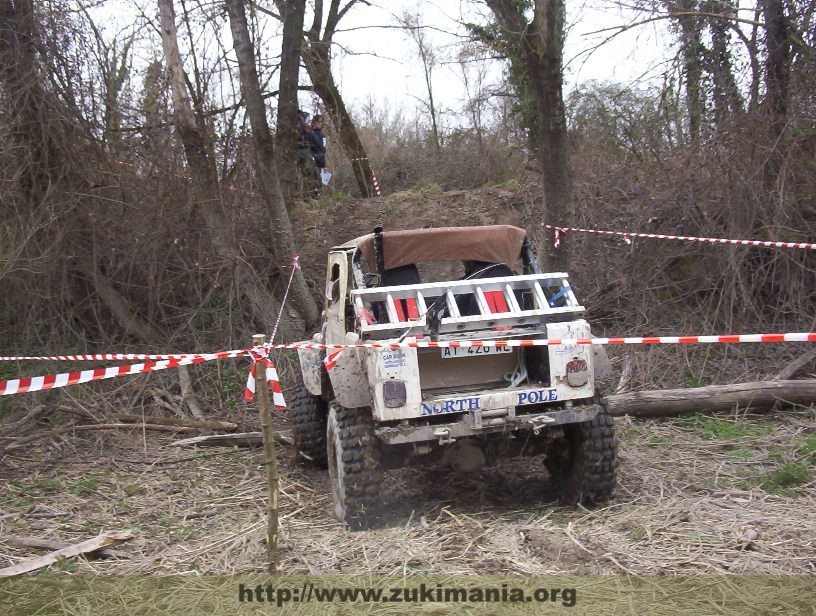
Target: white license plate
{"points": [[449, 352]]}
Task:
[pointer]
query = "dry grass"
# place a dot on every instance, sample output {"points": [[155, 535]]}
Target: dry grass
{"points": [[694, 496]]}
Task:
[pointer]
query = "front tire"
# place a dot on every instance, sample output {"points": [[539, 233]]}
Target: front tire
{"points": [[585, 460], [308, 424], [355, 469]]}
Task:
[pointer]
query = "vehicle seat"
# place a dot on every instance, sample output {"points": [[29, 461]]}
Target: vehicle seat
{"points": [[407, 274]]}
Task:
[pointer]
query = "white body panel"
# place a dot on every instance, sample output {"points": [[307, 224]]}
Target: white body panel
{"points": [[561, 356], [402, 365]]}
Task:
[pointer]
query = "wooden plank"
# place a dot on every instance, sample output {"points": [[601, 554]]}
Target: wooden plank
{"points": [[48, 544], [104, 540]]}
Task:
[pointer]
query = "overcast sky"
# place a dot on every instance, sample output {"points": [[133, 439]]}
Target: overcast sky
{"points": [[374, 59], [382, 63]]}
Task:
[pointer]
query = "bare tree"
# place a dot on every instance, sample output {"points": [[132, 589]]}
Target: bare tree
{"points": [[427, 55], [475, 90], [207, 192], [539, 45], [280, 227], [286, 130], [777, 65], [726, 95], [29, 156]]}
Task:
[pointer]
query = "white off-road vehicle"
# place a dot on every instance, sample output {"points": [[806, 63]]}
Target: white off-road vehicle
{"points": [[464, 403]]}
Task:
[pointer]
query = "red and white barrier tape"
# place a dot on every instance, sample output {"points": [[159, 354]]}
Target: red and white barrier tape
{"points": [[260, 354], [374, 181], [330, 360], [428, 344], [53, 381], [627, 236], [120, 357]]}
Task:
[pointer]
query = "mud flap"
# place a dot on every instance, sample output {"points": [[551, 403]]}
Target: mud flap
{"points": [[600, 363], [349, 379], [311, 363]]}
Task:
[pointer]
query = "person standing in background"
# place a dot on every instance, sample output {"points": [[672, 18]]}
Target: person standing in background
{"points": [[318, 142], [308, 169]]}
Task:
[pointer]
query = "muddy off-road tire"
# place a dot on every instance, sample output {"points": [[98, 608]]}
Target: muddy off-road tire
{"points": [[308, 414], [583, 463], [355, 470]]}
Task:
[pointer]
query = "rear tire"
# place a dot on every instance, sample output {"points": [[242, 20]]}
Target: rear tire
{"points": [[308, 424], [355, 469], [584, 462]]}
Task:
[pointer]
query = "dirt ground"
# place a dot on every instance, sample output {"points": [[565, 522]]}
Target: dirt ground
{"points": [[698, 495]]}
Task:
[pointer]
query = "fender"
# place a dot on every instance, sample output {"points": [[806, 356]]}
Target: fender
{"points": [[311, 363]]}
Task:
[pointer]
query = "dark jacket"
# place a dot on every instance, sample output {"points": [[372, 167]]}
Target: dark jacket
{"points": [[317, 143]]}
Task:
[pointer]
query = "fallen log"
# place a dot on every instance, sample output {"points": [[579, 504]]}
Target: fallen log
{"points": [[22, 442], [203, 424], [242, 439], [104, 540], [754, 396]]}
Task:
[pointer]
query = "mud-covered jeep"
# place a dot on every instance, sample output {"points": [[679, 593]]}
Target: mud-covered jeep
{"points": [[463, 399]]}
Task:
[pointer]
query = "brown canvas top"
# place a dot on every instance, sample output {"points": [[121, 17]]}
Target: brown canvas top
{"points": [[493, 243]]}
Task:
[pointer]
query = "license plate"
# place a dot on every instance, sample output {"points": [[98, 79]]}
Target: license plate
{"points": [[450, 352]]}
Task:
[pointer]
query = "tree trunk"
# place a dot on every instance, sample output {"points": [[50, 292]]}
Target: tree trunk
{"points": [[777, 80], [777, 66], [428, 70], [692, 50], [726, 95], [286, 130], [752, 49], [756, 396], [413, 24], [280, 227], [540, 45], [207, 194]]}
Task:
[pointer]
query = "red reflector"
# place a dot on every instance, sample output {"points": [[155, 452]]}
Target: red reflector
{"points": [[577, 372]]}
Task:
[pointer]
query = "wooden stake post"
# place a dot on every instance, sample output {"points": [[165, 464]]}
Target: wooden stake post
{"points": [[265, 407]]}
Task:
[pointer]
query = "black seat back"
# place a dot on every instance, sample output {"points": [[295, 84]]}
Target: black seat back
{"points": [[406, 274]]}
